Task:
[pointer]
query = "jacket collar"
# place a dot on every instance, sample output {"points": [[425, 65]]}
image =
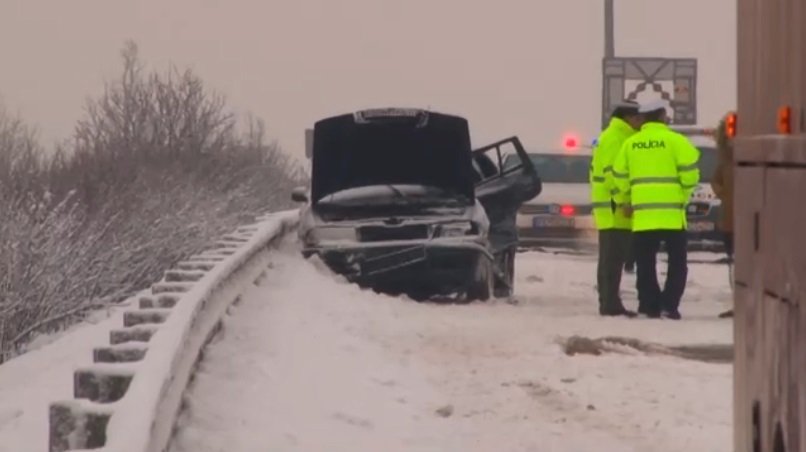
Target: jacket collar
{"points": [[621, 125], [654, 126]]}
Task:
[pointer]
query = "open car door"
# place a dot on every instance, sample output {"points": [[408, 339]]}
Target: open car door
{"points": [[502, 189]]}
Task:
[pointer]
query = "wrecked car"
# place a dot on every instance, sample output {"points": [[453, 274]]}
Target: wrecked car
{"points": [[400, 203]]}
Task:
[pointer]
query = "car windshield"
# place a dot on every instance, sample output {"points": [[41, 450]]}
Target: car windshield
{"points": [[557, 168]]}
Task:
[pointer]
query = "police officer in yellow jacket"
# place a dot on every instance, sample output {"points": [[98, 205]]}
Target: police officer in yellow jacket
{"points": [[656, 173], [614, 227]]}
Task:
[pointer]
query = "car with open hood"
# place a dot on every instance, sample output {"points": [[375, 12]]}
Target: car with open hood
{"points": [[401, 203]]}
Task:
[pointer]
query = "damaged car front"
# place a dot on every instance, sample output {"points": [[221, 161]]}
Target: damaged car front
{"points": [[392, 204]]}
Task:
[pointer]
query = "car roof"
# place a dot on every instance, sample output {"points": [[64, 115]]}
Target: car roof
{"points": [[702, 141], [551, 154], [699, 136], [561, 153], [358, 115]]}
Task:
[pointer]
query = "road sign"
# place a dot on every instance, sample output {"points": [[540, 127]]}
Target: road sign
{"points": [[671, 79]]}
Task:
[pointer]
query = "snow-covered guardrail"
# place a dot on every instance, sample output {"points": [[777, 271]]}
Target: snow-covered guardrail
{"points": [[129, 399]]}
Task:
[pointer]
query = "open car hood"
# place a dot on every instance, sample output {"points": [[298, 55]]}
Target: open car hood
{"points": [[390, 200], [399, 147], [392, 194]]}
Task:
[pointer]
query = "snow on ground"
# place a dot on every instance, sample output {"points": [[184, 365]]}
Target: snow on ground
{"points": [[44, 374], [307, 362]]}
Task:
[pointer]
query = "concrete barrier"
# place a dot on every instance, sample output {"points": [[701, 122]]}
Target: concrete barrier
{"points": [[129, 399]]}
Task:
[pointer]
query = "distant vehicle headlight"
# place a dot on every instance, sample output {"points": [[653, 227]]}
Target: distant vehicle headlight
{"points": [[458, 229], [333, 233]]}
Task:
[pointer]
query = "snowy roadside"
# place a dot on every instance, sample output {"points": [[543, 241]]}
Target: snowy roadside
{"points": [[307, 362], [29, 383]]}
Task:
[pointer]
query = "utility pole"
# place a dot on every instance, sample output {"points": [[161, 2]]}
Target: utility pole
{"points": [[609, 40], [648, 73], [609, 54]]}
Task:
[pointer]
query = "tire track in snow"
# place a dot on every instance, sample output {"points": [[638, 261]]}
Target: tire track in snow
{"points": [[569, 409]]}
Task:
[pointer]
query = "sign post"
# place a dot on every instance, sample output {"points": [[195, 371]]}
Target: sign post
{"points": [[309, 143], [672, 79]]}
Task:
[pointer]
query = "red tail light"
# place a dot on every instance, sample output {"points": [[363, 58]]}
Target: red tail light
{"points": [[567, 210], [730, 125], [785, 120]]}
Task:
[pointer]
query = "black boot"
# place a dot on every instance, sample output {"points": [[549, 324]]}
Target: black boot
{"points": [[616, 311], [652, 313], [674, 315]]}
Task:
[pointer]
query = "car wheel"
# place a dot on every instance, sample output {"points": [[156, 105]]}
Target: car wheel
{"points": [[483, 284]]}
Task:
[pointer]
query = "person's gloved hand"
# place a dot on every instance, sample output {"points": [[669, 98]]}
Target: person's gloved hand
{"points": [[627, 210]]}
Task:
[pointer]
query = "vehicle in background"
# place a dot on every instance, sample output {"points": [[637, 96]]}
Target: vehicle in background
{"points": [[400, 203], [562, 215], [703, 211]]}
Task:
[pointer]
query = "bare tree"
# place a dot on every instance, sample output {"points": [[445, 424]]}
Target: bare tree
{"points": [[20, 157], [155, 170]]}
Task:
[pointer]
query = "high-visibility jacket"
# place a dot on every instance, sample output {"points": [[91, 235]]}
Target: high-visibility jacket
{"points": [[656, 172], [605, 213]]}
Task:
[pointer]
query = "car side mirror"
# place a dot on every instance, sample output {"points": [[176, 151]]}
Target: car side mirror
{"points": [[299, 194]]}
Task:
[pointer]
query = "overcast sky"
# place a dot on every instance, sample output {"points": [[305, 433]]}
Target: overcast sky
{"points": [[525, 67]]}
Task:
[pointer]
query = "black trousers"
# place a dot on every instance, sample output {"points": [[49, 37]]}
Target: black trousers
{"points": [[727, 241], [614, 247], [651, 299], [629, 261]]}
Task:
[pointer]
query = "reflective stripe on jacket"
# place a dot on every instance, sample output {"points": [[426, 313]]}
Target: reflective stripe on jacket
{"points": [[656, 172], [601, 176]]}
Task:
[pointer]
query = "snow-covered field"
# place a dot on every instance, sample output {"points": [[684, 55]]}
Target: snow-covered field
{"points": [[307, 362]]}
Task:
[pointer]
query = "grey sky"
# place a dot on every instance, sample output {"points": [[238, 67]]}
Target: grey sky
{"points": [[525, 67]]}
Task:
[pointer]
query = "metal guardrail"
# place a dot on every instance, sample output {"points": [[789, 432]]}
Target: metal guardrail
{"points": [[130, 398]]}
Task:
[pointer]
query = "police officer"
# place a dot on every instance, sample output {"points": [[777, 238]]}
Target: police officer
{"points": [[614, 227], [656, 172], [722, 184]]}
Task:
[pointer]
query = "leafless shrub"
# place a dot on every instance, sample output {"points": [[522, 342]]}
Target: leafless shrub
{"points": [[156, 170], [20, 159]]}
